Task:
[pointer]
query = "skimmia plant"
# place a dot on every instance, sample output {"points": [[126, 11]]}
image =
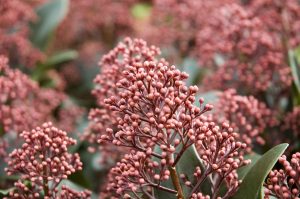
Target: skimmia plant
{"points": [[204, 106]]}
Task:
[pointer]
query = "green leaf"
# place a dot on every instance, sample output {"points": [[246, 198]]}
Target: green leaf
{"points": [[141, 10], [187, 165], [4, 192], [50, 15], [295, 70], [61, 57], [297, 54], [80, 179], [255, 177], [254, 157], [191, 67], [52, 62]]}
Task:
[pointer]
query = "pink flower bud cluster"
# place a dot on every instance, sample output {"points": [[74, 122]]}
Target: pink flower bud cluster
{"points": [[253, 57], [252, 39], [14, 33], [246, 115], [24, 105], [222, 155], [155, 109], [176, 23], [135, 173], [280, 17], [68, 193], [43, 160], [97, 22], [112, 65], [15, 88], [284, 183]]}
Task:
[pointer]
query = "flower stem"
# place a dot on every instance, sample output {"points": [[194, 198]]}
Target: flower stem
{"points": [[45, 182], [176, 182]]}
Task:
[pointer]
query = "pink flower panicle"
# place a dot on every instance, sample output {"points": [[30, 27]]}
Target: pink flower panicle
{"points": [[222, 155], [42, 160], [136, 173], [94, 24], [24, 104], [280, 17], [284, 183], [15, 88], [14, 33], [248, 116], [156, 111], [251, 53], [155, 107], [112, 65]]}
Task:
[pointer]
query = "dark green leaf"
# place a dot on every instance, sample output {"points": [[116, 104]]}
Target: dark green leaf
{"points": [[80, 179], [50, 16], [295, 70], [297, 54], [254, 157], [61, 57], [187, 165], [4, 192], [253, 180]]}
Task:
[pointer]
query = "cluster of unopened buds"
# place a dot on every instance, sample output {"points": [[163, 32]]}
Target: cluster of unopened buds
{"points": [[284, 183], [158, 121], [42, 162], [247, 115], [112, 65]]}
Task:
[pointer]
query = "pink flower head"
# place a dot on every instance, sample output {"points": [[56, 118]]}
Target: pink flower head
{"points": [[253, 57], [113, 64], [68, 193], [43, 160], [222, 155], [14, 33], [155, 107], [156, 111], [246, 115], [284, 183], [135, 171]]}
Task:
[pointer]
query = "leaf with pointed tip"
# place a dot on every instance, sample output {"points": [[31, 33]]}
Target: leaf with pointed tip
{"points": [[295, 69], [61, 57], [50, 15], [255, 177]]}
